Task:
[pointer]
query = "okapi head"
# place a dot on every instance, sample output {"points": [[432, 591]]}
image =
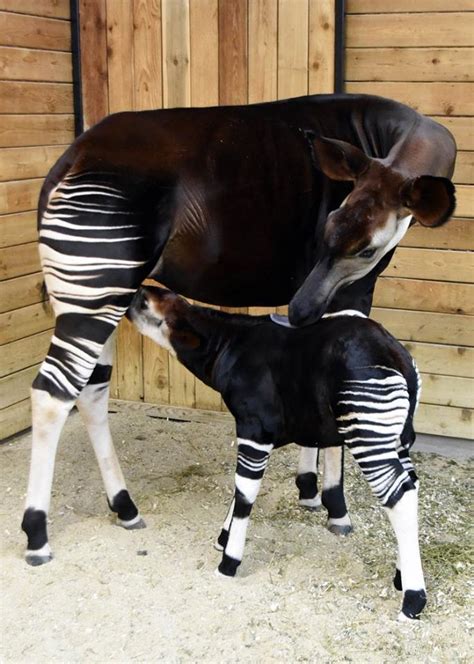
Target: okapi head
{"points": [[369, 223]]}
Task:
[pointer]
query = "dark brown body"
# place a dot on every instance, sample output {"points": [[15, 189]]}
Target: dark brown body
{"points": [[236, 200]]}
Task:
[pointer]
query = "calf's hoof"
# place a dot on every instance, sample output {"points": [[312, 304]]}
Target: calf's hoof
{"points": [[341, 526], [414, 601], [311, 504], [37, 557], [134, 524], [228, 565]]}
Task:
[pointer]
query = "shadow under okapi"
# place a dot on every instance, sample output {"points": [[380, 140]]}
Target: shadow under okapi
{"points": [[300, 201]]}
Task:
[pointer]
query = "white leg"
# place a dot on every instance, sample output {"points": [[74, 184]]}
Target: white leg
{"points": [[251, 463], [333, 498], [306, 479], [93, 407]]}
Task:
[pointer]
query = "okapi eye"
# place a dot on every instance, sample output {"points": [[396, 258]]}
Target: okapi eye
{"points": [[367, 253]]}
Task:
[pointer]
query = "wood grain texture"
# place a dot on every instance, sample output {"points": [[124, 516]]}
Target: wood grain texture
{"points": [[19, 195], [34, 32], [464, 200], [449, 329], [263, 44], [447, 390], [128, 362], [461, 128], [456, 234], [93, 36], [233, 48], [322, 15], [431, 264], [23, 353], [422, 295], [293, 17], [32, 130], [23, 260], [24, 322], [14, 387], [26, 97], [204, 52], [445, 421], [120, 55], [444, 360], [156, 387], [25, 163], [148, 93], [21, 291], [429, 98], [15, 418], [176, 56], [464, 171], [384, 7], [23, 64], [18, 228], [414, 29], [49, 8], [408, 64]]}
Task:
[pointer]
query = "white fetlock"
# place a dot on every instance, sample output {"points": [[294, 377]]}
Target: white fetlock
{"points": [[219, 575], [311, 503]]}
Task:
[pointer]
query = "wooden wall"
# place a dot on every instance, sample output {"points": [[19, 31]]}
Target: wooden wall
{"points": [[36, 124], [421, 53], [140, 54]]}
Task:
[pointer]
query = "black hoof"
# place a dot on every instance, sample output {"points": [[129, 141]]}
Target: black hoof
{"points": [[340, 530], [414, 601], [397, 580], [139, 525], [228, 565], [36, 561]]}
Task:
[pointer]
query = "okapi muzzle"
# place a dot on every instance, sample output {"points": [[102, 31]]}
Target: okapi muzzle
{"points": [[369, 224]]}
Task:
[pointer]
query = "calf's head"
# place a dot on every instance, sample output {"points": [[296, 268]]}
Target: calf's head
{"points": [[370, 222]]}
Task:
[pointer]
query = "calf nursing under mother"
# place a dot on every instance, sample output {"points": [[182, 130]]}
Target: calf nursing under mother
{"points": [[342, 381]]}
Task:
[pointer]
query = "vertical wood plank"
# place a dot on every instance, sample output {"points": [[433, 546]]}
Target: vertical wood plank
{"points": [[175, 30], [263, 41], [204, 36], [322, 14], [233, 74], [292, 48], [148, 93], [93, 35]]}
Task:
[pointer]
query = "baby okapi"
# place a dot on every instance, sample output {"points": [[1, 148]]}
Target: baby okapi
{"points": [[343, 380]]}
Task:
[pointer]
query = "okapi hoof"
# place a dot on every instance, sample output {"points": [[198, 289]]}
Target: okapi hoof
{"points": [[35, 561], [340, 530], [134, 524], [397, 580], [414, 601], [311, 504]]}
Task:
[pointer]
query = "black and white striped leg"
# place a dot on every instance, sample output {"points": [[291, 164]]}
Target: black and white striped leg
{"points": [[333, 498], [404, 456], [224, 534], [307, 479], [372, 412], [251, 463], [93, 406]]}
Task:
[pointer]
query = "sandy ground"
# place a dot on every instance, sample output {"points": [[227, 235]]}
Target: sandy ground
{"points": [[302, 595]]}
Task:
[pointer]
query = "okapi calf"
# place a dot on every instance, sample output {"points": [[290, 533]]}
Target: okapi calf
{"points": [[343, 380]]}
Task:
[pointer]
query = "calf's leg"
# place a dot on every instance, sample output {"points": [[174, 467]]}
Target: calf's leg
{"points": [[333, 498], [252, 460], [306, 479]]}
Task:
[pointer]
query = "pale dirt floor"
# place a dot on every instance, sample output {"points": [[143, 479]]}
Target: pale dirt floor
{"points": [[302, 595]]}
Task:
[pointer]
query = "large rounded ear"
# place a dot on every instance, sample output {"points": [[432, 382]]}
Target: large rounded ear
{"points": [[430, 199], [340, 160]]}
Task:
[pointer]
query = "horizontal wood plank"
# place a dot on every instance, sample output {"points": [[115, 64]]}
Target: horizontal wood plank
{"points": [[16, 386], [34, 32], [23, 260], [456, 234], [429, 98], [450, 329], [464, 170], [447, 390], [25, 97], [18, 228], [19, 196], [15, 418], [26, 163], [464, 200], [24, 353], [408, 64], [394, 6], [21, 291], [33, 130], [444, 360], [461, 128], [414, 29], [444, 421], [50, 8], [24, 322], [422, 295], [434, 264], [23, 64]]}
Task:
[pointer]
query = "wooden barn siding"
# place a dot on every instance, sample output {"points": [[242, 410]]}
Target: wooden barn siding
{"points": [[141, 54], [36, 125], [421, 53]]}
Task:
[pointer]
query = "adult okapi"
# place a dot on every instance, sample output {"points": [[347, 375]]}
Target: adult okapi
{"points": [[300, 201]]}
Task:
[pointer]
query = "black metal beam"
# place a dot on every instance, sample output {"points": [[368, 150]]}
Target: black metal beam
{"points": [[339, 46], [76, 67]]}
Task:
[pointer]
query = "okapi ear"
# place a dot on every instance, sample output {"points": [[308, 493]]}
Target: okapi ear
{"points": [[340, 160], [430, 199]]}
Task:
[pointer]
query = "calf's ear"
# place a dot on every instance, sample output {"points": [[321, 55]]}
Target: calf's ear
{"points": [[430, 199], [340, 160]]}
